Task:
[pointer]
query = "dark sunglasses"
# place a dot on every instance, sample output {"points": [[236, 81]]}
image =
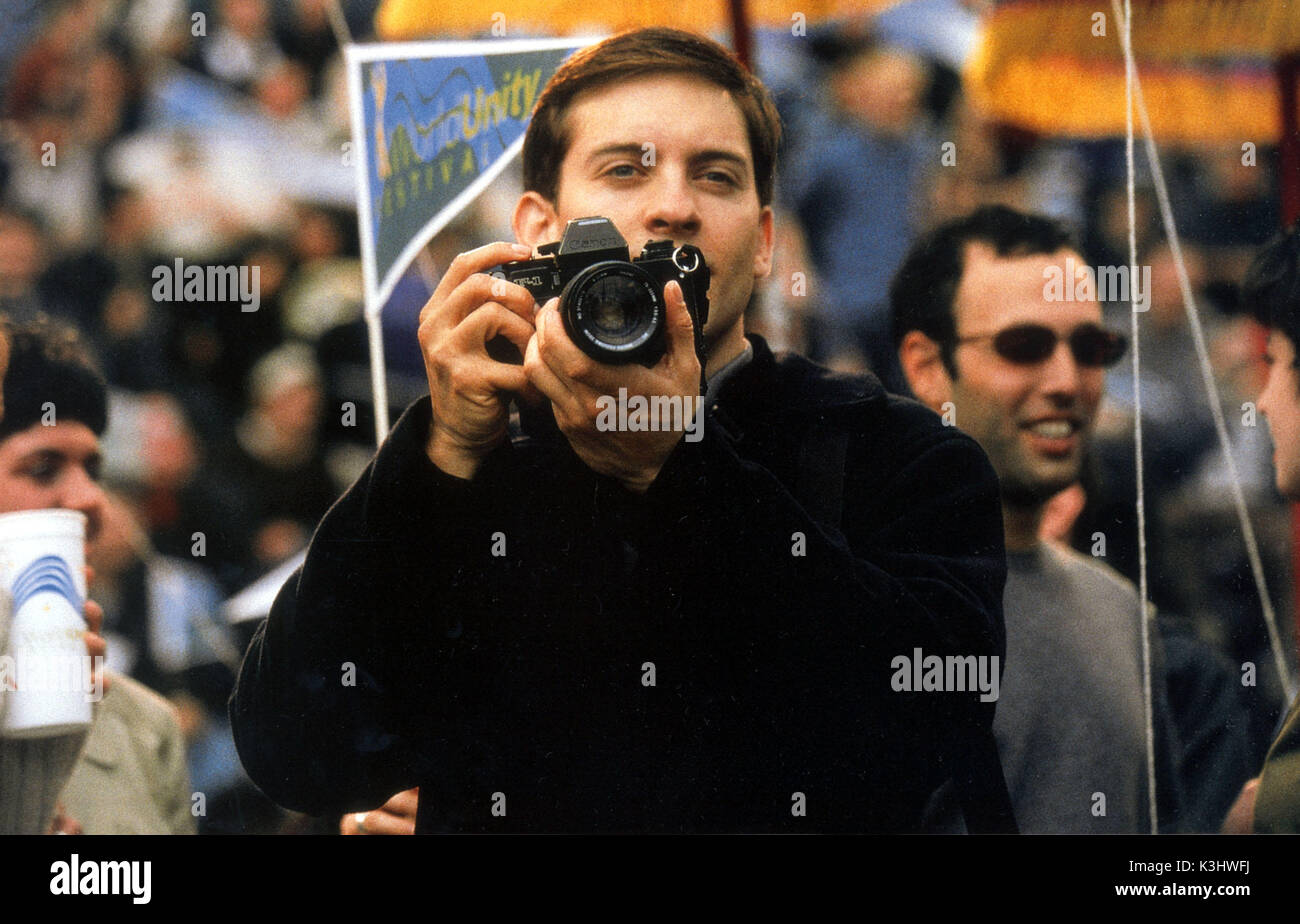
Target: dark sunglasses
{"points": [[1026, 344]]}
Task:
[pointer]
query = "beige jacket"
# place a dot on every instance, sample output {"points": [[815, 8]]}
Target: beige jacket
{"points": [[132, 777], [1277, 805]]}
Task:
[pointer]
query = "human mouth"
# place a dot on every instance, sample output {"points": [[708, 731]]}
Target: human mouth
{"points": [[1055, 435], [1053, 429]]}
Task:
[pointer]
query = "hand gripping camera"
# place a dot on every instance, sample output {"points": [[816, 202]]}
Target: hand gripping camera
{"points": [[613, 307]]}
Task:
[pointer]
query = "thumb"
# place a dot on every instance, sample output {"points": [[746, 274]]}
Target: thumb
{"points": [[681, 329]]}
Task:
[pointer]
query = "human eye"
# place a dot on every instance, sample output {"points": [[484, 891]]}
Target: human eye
{"points": [[623, 171], [721, 178], [42, 469]]}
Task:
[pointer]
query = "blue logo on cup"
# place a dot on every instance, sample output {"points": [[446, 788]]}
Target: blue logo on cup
{"points": [[47, 574]]}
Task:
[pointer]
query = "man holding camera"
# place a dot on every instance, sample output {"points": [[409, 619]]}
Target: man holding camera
{"points": [[585, 629]]}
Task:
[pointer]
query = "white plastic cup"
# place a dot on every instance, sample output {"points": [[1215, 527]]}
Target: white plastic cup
{"points": [[42, 571]]}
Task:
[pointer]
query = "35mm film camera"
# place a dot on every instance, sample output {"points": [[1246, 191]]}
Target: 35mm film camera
{"points": [[613, 307]]}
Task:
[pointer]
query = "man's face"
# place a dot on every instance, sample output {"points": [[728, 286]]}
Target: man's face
{"points": [[1280, 403], [668, 156], [1032, 420], [47, 467]]}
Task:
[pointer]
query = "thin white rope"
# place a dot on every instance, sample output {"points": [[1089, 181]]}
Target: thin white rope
{"points": [[1144, 623], [1211, 390]]}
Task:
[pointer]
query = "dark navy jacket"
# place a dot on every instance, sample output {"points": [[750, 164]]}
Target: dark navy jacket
{"points": [[656, 662]]}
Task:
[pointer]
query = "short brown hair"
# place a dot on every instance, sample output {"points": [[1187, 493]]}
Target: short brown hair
{"points": [[639, 53], [924, 288], [1271, 289]]}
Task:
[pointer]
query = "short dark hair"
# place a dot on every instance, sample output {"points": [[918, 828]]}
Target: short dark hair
{"points": [[922, 292], [641, 53], [49, 363], [1270, 291]]}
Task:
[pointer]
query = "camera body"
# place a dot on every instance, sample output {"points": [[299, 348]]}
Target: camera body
{"points": [[613, 307]]}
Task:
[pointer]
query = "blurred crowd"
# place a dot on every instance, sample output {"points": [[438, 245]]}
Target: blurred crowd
{"points": [[138, 132], [866, 173]]}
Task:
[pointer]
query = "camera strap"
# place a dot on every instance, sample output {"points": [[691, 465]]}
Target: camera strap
{"points": [[972, 752]]}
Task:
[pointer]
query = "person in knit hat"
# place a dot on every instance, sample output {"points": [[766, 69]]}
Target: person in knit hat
{"points": [[131, 763]]}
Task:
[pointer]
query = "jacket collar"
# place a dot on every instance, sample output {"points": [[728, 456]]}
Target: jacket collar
{"points": [[788, 382]]}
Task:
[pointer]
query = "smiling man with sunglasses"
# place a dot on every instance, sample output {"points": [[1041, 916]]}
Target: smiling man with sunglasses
{"points": [[980, 342]]}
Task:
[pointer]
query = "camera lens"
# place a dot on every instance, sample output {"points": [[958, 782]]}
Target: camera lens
{"points": [[613, 312], [613, 302]]}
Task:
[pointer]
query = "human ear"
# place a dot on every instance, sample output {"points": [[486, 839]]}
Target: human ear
{"points": [[535, 220], [763, 255], [922, 362]]}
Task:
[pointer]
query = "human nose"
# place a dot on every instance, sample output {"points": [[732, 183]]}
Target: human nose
{"points": [[83, 493], [1264, 403], [672, 210], [1061, 373]]}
